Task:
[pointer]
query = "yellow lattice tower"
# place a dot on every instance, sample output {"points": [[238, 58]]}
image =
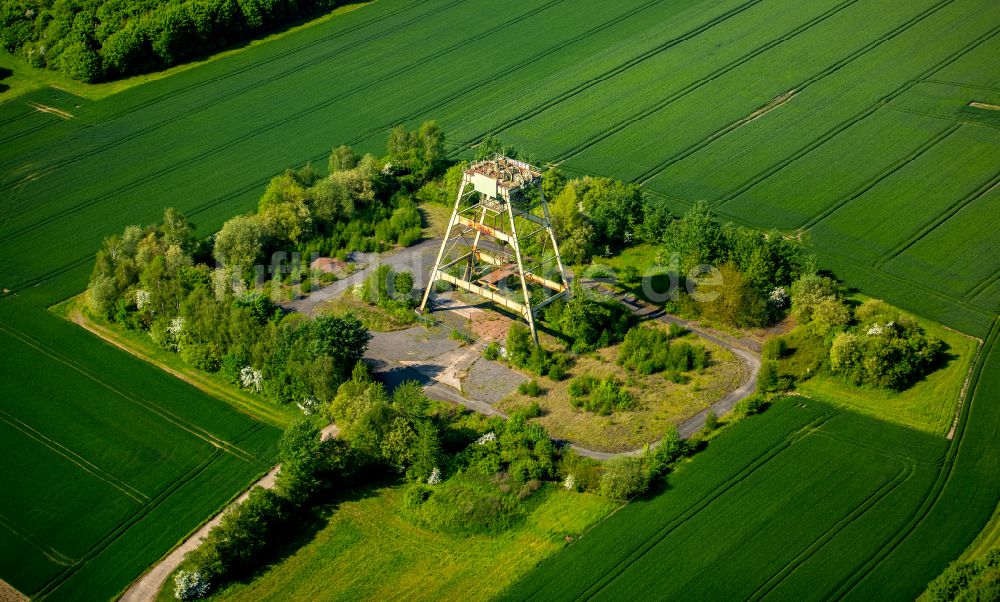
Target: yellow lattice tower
{"points": [[499, 243]]}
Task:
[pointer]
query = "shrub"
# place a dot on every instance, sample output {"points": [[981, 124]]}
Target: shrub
{"points": [[460, 335], [750, 405], [602, 396], [492, 351], [519, 343], [711, 421], [624, 477], [767, 377], [667, 451], [557, 371], [530, 388], [774, 348], [533, 410], [190, 585]]}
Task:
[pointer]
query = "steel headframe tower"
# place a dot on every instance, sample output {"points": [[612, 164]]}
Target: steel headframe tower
{"points": [[499, 216]]}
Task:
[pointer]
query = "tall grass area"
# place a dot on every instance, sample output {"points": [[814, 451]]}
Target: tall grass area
{"points": [[369, 550]]}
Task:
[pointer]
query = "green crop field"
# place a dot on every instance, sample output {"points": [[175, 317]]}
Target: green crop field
{"points": [[846, 122]]}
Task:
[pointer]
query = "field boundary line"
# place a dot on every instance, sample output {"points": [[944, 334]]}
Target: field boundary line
{"points": [[50, 553], [123, 527], [717, 492], [613, 72], [242, 138], [939, 219], [68, 454], [659, 168], [880, 177], [864, 114], [707, 79], [153, 408], [905, 473], [847, 584]]}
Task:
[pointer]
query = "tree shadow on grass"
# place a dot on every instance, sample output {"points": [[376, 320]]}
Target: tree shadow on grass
{"points": [[4, 74], [305, 526]]}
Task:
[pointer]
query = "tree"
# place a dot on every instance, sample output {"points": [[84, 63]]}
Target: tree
{"points": [[696, 238], [239, 243], [175, 228], [427, 451], [305, 458], [80, 62], [624, 477], [343, 158], [614, 208], [808, 291]]}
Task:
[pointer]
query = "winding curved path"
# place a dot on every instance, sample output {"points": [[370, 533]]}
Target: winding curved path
{"points": [[419, 259]]}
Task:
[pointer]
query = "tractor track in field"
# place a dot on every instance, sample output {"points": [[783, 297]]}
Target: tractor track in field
{"points": [[232, 142], [939, 219], [847, 124], [168, 416], [873, 499], [73, 457], [629, 121], [506, 71], [846, 585], [982, 285], [250, 67], [660, 534], [146, 587], [127, 524], [659, 168], [613, 72], [886, 173]]}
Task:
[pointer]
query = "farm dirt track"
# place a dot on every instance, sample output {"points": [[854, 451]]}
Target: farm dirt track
{"points": [[877, 157]]}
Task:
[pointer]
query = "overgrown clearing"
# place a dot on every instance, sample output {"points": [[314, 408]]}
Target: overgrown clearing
{"points": [[875, 154]]}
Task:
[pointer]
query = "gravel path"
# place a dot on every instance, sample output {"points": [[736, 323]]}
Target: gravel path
{"points": [[146, 588]]}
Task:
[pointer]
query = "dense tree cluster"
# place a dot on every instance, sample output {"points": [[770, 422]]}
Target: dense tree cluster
{"points": [[589, 319], [147, 279], [364, 204], [591, 215], [970, 581], [251, 531], [887, 349], [873, 345], [94, 40], [753, 268]]}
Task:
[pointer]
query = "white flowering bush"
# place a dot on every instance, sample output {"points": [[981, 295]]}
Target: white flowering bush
{"points": [[308, 406], [875, 330], [176, 328], [435, 477], [778, 298], [189, 585], [487, 438], [251, 379], [141, 298], [570, 483]]}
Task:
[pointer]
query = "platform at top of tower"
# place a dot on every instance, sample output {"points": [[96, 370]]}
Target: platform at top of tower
{"points": [[501, 177]]}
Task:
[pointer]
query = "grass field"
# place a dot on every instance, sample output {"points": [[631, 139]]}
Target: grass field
{"points": [[846, 120], [369, 551]]}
